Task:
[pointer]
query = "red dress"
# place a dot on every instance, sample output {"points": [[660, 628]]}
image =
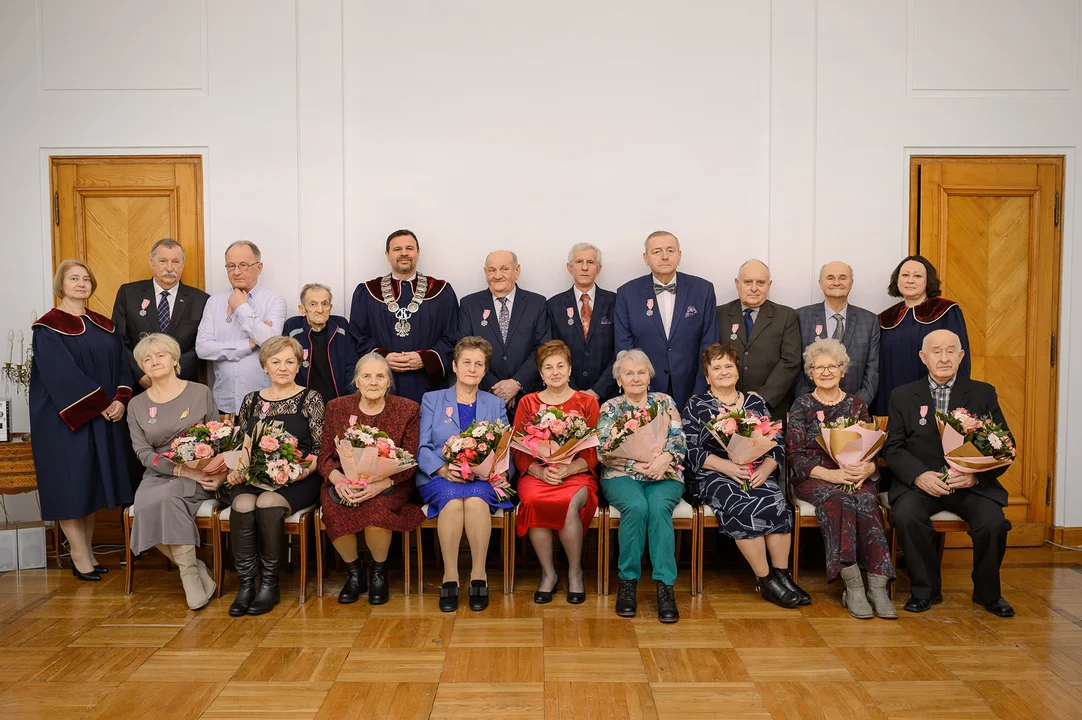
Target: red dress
{"points": [[400, 419], [542, 505]]}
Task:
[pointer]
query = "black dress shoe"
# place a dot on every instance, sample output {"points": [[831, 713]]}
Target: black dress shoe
{"points": [[85, 577], [449, 597], [576, 598], [378, 591], [354, 584], [542, 597], [625, 598], [667, 612], [1000, 607], [478, 595], [772, 590], [786, 579], [919, 605], [101, 569]]}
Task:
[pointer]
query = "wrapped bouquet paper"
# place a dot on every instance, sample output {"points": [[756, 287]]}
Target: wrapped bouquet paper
{"points": [[849, 441], [367, 454], [555, 437], [745, 436], [973, 444], [205, 447], [639, 435], [483, 451], [269, 458]]}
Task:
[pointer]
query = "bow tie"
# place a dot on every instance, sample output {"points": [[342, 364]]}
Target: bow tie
{"points": [[670, 288]]}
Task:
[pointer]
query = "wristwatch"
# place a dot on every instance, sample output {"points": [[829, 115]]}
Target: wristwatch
{"points": [[392, 481]]}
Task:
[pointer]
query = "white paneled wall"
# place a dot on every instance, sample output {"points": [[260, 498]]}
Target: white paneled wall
{"points": [[779, 130]]}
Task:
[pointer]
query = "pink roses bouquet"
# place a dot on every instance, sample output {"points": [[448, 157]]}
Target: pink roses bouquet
{"points": [[745, 436], [203, 446], [270, 459], [483, 451], [639, 435], [849, 441], [973, 444], [554, 437], [367, 453]]}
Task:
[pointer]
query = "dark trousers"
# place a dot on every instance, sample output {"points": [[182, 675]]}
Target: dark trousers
{"points": [[987, 527]]}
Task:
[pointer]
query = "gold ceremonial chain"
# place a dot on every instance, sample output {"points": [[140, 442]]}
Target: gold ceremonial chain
{"points": [[403, 314]]}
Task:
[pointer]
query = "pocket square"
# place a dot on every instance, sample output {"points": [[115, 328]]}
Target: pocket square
{"points": [[606, 321], [690, 311]]}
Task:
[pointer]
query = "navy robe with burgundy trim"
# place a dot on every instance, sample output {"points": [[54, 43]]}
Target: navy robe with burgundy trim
{"points": [[80, 367], [432, 331]]}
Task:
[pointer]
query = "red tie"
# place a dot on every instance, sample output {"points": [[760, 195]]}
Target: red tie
{"points": [[585, 314]]}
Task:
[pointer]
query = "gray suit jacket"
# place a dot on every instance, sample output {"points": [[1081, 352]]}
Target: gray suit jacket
{"points": [[770, 359], [861, 340]]}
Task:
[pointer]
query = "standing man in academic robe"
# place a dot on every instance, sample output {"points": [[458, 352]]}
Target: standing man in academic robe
{"points": [[162, 304], [329, 355], [767, 337], [408, 317], [582, 318], [856, 328], [669, 316], [514, 321]]}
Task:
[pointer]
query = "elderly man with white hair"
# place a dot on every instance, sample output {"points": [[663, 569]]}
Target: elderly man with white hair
{"points": [[923, 487]]}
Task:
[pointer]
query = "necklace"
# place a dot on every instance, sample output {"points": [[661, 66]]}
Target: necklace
{"points": [[738, 400], [815, 394], [403, 314]]}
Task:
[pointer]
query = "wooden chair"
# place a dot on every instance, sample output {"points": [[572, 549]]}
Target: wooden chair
{"points": [[205, 519], [295, 524], [943, 522], [595, 524], [501, 520], [320, 528], [684, 518]]}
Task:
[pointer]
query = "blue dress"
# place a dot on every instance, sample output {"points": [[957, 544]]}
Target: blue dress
{"points": [[436, 426]]}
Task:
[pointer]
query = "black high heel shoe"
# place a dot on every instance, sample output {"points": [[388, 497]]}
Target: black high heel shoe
{"points": [[101, 569], [85, 577], [449, 597]]}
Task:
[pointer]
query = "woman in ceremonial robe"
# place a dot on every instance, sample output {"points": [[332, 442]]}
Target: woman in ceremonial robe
{"points": [[80, 385], [904, 326], [556, 497]]}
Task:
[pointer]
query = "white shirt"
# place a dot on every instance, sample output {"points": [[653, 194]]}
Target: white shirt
{"points": [[666, 304], [831, 322], [754, 312], [510, 303], [172, 296], [592, 293]]}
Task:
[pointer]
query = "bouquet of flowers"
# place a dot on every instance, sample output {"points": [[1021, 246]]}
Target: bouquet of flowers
{"points": [[554, 436], [482, 450], [849, 441], [204, 446], [639, 435], [745, 436], [367, 454], [269, 458], [973, 444]]}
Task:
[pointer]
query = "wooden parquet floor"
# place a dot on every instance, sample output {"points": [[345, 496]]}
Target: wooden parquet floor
{"points": [[81, 650]]}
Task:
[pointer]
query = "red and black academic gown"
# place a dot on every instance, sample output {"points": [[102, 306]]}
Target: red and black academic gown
{"points": [[902, 331], [80, 367], [432, 331]]}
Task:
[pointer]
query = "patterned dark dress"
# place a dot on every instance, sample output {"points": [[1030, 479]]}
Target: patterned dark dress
{"points": [[742, 514], [400, 419], [852, 523], [302, 417]]}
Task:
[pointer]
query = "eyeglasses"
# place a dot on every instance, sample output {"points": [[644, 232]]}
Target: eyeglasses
{"points": [[243, 267], [827, 369]]}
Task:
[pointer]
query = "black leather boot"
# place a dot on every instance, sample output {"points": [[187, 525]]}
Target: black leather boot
{"points": [[786, 579], [377, 588], [667, 611], [355, 584], [772, 590], [625, 598], [272, 541], [242, 536]]}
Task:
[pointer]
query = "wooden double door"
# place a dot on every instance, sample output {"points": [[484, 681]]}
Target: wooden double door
{"points": [[992, 228]]}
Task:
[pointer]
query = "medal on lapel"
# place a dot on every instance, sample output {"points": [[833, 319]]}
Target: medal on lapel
{"points": [[153, 413], [484, 319], [923, 414], [736, 326], [305, 363], [649, 307], [265, 407], [571, 316], [143, 308], [818, 332], [352, 420], [451, 411], [821, 415]]}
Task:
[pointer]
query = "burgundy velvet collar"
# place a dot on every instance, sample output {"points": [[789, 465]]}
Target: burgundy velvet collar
{"points": [[927, 312], [68, 324]]}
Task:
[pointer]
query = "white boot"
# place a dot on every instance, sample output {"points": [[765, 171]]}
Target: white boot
{"points": [[204, 577], [853, 597], [880, 597], [194, 592]]}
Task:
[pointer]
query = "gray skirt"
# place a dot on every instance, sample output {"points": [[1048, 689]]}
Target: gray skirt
{"points": [[165, 509]]}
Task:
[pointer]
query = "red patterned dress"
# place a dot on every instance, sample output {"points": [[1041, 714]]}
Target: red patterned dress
{"points": [[400, 419], [542, 505]]}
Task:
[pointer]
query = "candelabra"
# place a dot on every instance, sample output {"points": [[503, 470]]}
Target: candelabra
{"points": [[19, 373]]}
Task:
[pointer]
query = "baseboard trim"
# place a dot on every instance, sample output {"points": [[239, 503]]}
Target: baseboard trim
{"points": [[1067, 535]]}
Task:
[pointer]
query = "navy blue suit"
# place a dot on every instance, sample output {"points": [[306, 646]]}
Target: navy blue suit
{"points": [[515, 359], [343, 356], [592, 356], [694, 327]]}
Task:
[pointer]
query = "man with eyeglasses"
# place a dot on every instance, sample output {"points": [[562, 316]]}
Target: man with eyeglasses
{"points": [[162, 304], [766, 335], [668, 315], [836, 319], [235, 324]]}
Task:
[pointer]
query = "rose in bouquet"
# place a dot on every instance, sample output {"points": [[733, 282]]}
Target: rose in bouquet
{"points": [[639, 435], [745, 436], [367, 454], [204, 446], [554, 436], [269, 458], [483, 451], [849, 441], [973, 444]]}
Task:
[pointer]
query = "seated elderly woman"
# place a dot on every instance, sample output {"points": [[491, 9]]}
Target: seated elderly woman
{"points": [[645, 493], [556, 497], [759, 519], [170, 494], [851, 522], [382, 506], [460, 503]]}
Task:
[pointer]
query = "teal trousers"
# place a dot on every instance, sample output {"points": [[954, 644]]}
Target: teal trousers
{"points": [[645, 513]]}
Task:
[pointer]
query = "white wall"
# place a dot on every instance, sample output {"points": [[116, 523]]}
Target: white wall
{"points": [[779, 130]]}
